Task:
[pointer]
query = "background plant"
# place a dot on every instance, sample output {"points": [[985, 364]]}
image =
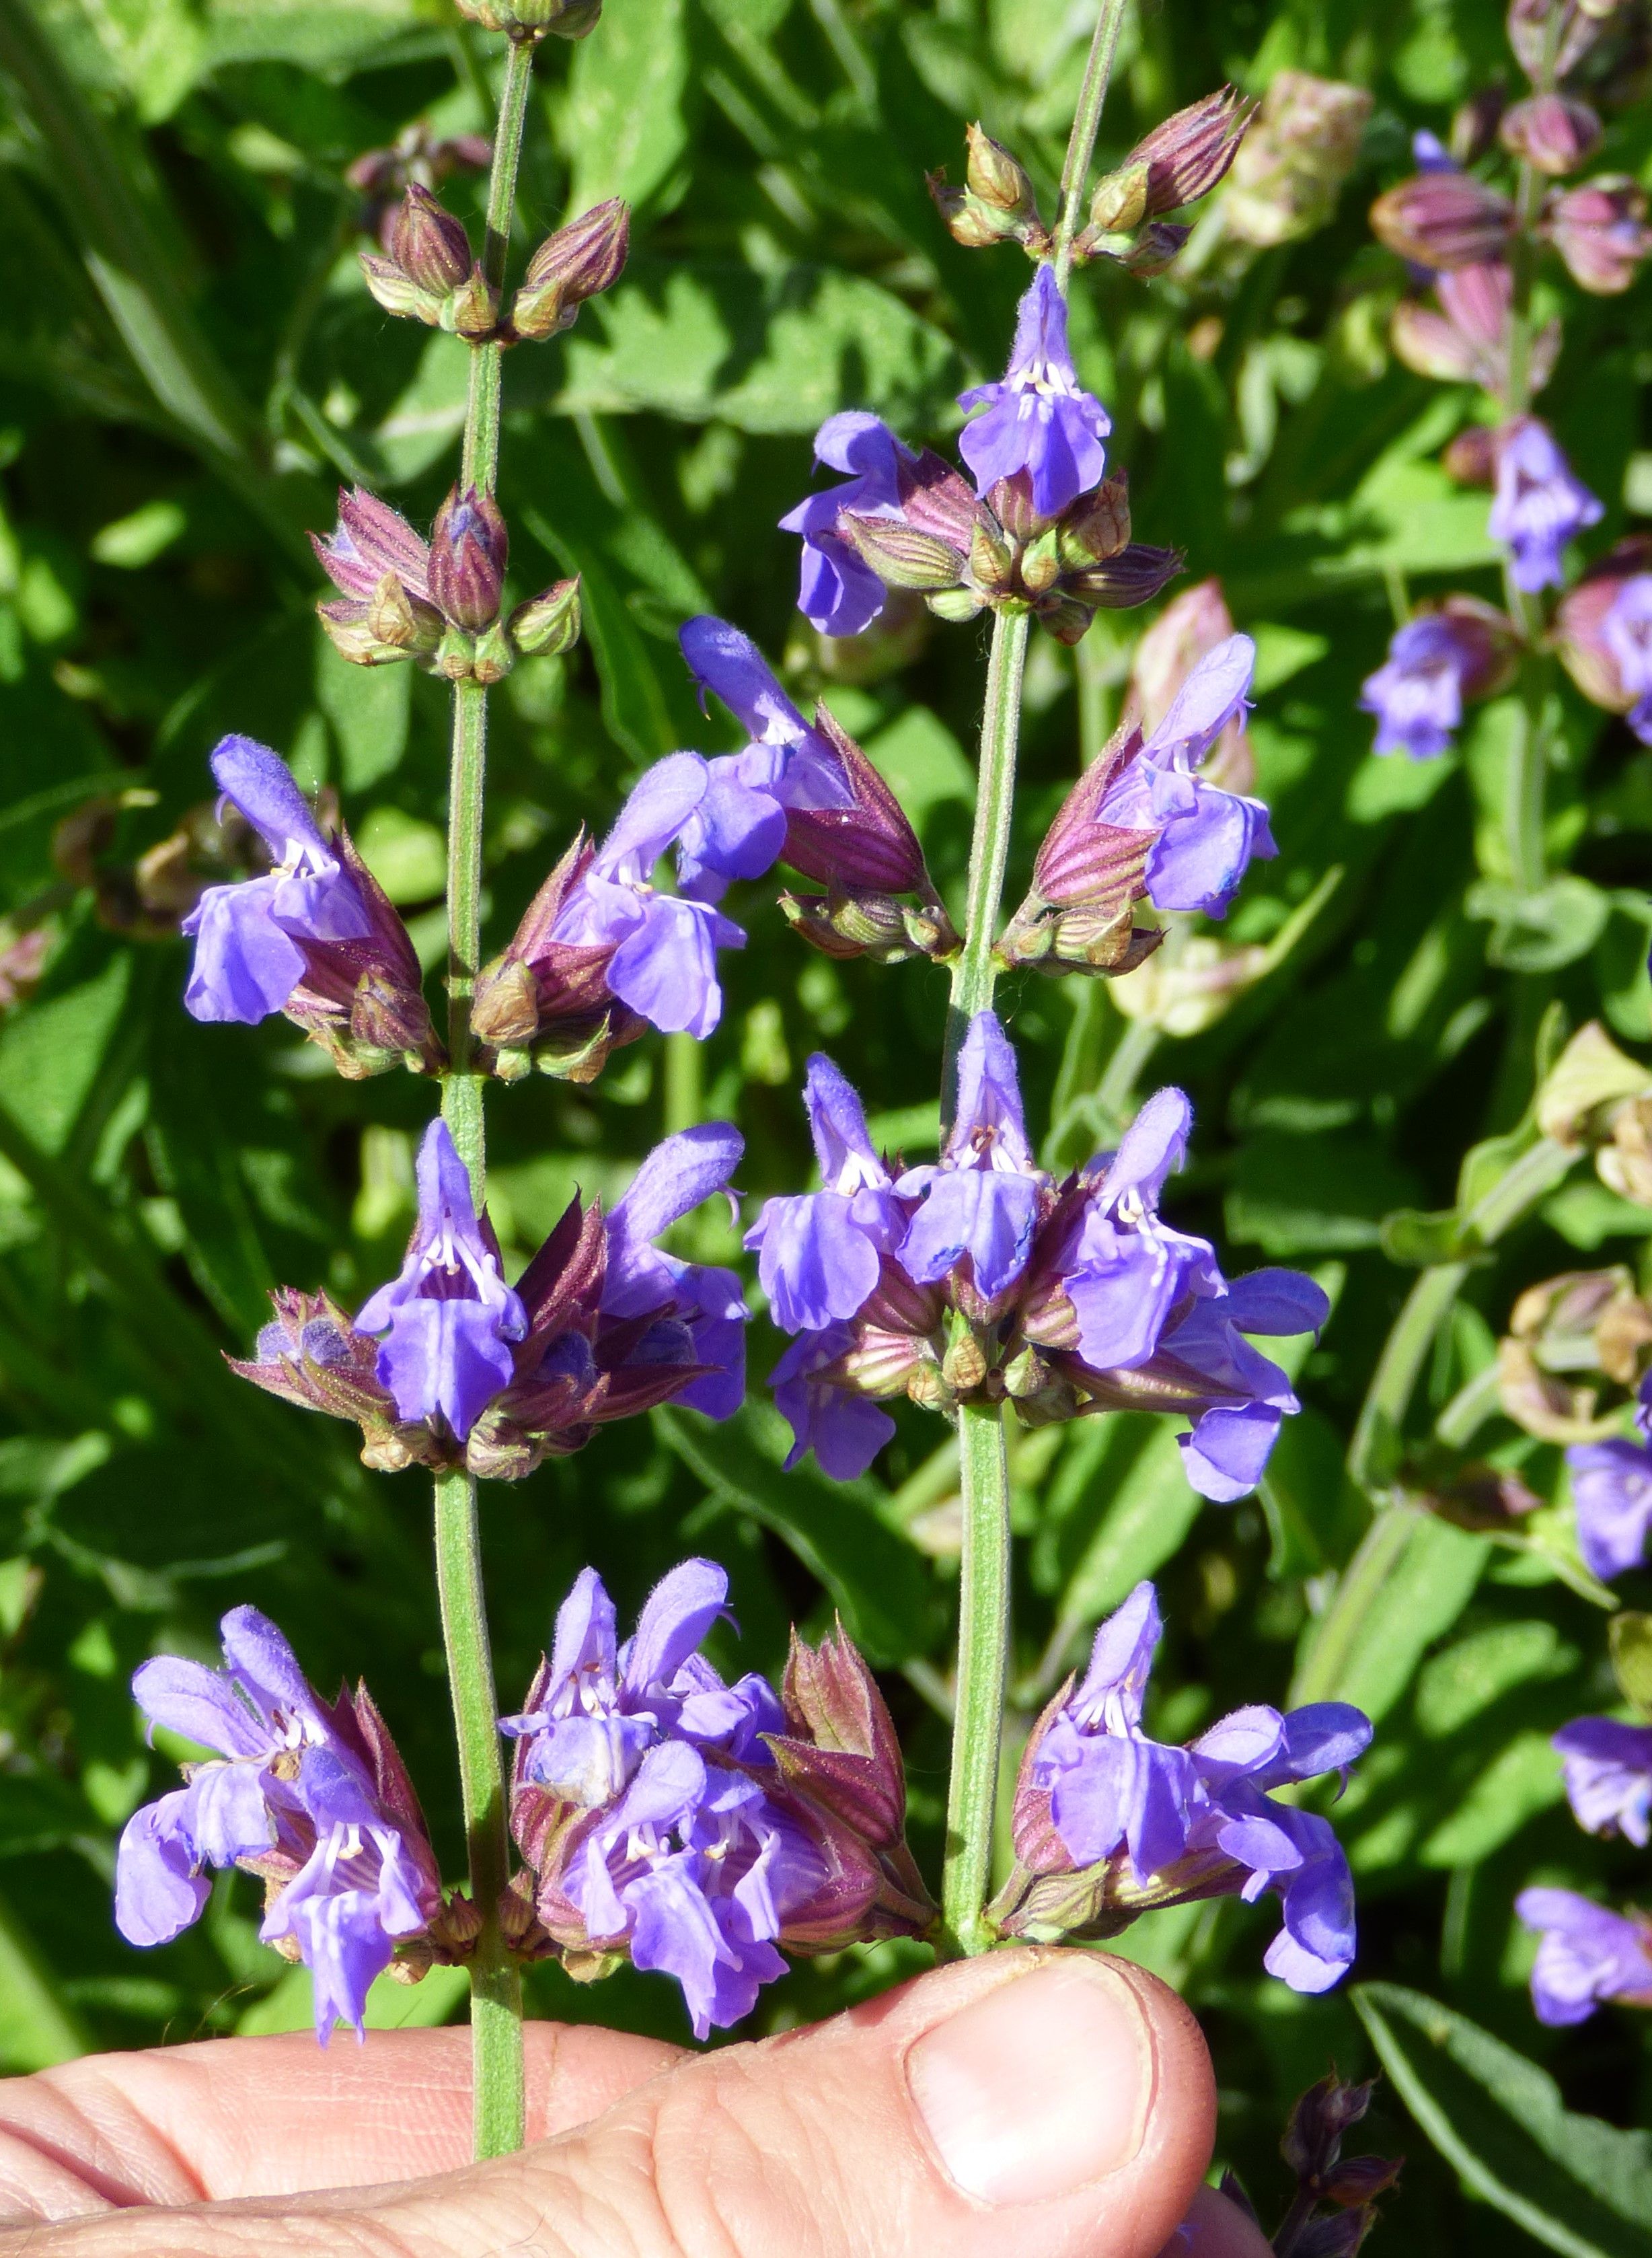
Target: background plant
{"points": [[193, 361]]}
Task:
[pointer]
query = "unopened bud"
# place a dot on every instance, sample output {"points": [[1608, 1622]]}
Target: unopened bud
{"points": [[397, 292], [1471, 457], [494, 656], [1177, 162], [1600, 229], [997, 177], [398, 618], [548, 623], [1443, 220], [970, 222], [1134, 576], [472, 312], [1064, 617], [899, 554], [468, 545], [1120, 202], [956, 605], [1295, 159], [1098, 526], [580, 260], [1555, 133], [428, 245], [1040, 563], [964, 1365], [853, 925], [532, 19]]}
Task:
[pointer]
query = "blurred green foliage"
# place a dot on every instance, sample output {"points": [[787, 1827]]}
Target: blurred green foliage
{"points": [[188, 360]]}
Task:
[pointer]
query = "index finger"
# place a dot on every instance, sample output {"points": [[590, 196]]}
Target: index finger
{"points": [[279, 2116]]}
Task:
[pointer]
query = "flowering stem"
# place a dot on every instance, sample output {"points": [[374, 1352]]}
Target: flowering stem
{"points": [[984, 1651], [481, 464], [496, 1991], [496, 1986], [1087, 119]]}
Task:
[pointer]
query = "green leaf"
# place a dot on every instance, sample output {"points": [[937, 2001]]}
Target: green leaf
{"points": [[1582, 2187], [1407, 1584], [368, 707], [775, 353], [50, 1056], [290, 2004], [1140, 1513], [38, 2028], [622, 125], [1540, 932], [877, 1580]]}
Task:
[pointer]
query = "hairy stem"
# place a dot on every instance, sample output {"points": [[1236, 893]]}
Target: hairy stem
{"points": [[1087, 119], [481, 463], [496, 1986], [496, 1991], [984, 1651], [975, 971]]}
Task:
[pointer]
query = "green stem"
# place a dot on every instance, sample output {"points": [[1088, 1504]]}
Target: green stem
{"points": [[496, 1987], [496, 1993], [479, 466], [984, 1651], [975, 971], [1087, 119], [1372, 1452]]}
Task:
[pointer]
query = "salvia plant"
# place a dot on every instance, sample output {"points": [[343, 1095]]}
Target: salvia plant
{"points": [[1070, 1476]]}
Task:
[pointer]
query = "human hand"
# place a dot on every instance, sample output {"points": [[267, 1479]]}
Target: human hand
{"points": [[1028, 2105]]}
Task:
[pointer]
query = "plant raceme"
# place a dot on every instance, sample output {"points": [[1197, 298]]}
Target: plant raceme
{"points": [[658, 1813]]}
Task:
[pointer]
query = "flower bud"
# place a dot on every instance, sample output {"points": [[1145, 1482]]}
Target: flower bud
{"points": [[868, 846], [428, 245], [995, 177], [1177, 163], [576, 263], [548, 623], [1528, 25], [1586, 1086], [469, 544], [1134, 576], [1443, 220], [900, 555], [1580, 630], [1600, 229], [472, 312], [1313, 2138], [532, 19], [1064, 617], [1555, 133], [969, 221], [1471, 457], [1098, 526], [957, 606], [1295, 159]]}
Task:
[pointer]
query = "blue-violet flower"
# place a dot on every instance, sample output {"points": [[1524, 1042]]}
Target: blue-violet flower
{"points": [[1039, 419], [1588, 1955], [309, 1795], [1538, 505]]}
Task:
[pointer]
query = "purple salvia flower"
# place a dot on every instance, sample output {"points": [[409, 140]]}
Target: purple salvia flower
{"points": [[1611, 1491], [449, 1317], [1626, 631], [701, 1300], [1538, 506], [1128, 1270], [1110, 1786], [982, 1199], [838, 593], [1039, 419], [247, 961], [1588, 1954], [1206, 836], [1173, 1823], [845, 1431], [600, 1709], [664, 961], [1292, 1851], [1608, 1768], [687, 1854], [310, 1796], [821, 1252], [1417, 694]]}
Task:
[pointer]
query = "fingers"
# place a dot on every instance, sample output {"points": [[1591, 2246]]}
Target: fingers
{"points": [[1030, 2105], [270, 2116]]}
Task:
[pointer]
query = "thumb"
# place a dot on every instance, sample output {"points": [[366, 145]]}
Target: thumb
{"points": [[1027, 2105]]}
